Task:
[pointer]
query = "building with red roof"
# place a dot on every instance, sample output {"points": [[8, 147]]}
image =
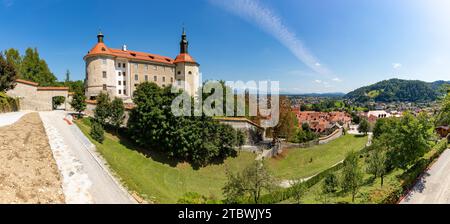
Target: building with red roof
{"points": [[119, 71]]}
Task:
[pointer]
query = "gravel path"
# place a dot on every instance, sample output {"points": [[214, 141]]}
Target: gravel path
{"points": [[101, 186], [28, 172], [10, 118]]}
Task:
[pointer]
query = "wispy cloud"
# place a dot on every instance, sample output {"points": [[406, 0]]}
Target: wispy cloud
{"points": [[396, 66], [337, 79], [263, 17], [318, 81]]}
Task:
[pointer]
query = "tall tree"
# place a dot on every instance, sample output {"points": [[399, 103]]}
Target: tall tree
{"points": [[376, 163], [102, 111], [13, 56], [352, 175], [251, 183], [35, 69], [78, 102], [443, 117], [8, 74], [117, 113], [364, 126]]}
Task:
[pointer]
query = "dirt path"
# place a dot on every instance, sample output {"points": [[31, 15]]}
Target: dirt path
{"points": [[28, 172]]}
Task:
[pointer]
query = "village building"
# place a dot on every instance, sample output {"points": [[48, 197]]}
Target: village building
{"points": [[322, 121], [119, 71]]}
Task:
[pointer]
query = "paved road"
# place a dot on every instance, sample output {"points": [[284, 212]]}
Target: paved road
{"points": [[104, 188], [434, 186]]}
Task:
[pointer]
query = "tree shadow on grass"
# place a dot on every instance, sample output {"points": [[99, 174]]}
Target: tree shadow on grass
{"points": [[157, 154]]}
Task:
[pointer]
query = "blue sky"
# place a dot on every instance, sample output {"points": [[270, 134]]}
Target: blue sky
{"points": [[309, 46]]}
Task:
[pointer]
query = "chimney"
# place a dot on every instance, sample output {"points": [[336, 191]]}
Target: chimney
{"points": [[124, 47]]}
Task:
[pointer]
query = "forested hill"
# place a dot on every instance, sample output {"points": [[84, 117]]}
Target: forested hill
{"points": [[399, 90]]}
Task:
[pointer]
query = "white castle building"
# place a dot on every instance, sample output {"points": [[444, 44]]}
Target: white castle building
{"points": [[119, 71]]}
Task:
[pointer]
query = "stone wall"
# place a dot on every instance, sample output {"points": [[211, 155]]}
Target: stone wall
{"points": [[32, 97]]}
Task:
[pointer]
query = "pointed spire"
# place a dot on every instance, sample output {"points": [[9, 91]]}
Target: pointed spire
{"points": [[100, 37], [184, 43]]}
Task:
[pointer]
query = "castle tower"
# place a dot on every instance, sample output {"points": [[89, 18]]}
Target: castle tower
{"points": [[186, 68]]}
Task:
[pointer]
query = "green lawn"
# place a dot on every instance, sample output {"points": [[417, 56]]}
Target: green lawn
{"points": [[158, 181], [301, 163]]}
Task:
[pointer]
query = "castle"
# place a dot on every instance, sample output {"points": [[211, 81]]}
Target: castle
{"points": [[119, 71]]}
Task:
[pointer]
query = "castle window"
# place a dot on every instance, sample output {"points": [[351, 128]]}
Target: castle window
{"points": [[136, 85], [190, 73], [120, 74], [179, 72], [119, 64], [124, 83], [171, 79], [104, 87], [163, 85], [124, 65], [125, 92], [104, 74], [155, 78], [146, 78], [124, 74], [136, 77], [164, 79], [120, 83], [120, 91]]}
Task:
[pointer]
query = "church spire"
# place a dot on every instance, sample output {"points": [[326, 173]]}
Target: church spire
{"points": [[184, 43], [100, 37]]}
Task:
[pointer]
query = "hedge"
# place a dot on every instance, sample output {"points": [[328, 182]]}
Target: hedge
{"points": [[8, 104], [412, 175]]}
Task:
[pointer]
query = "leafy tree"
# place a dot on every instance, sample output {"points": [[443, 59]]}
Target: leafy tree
{"points": [[8, 74], [78, 102], [75, 86], [364, 126], [35, 69], [249, 184], [13, 56], [240, 138], [376, 164], [103, 109], [443, 117], [288, 123], [330, 184], [58, 101], [298, 191], [97, 131], [117, 114], [352, 175], [198, 140]]}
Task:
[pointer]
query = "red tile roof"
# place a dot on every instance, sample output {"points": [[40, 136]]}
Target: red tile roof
{"points": [[184, 58], [27, 82], [102, 49], [40, 88]]}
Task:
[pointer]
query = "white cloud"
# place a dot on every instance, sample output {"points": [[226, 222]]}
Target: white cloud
{"points": [[263, 17], [337, 79], [318, 81], [396, 66]]}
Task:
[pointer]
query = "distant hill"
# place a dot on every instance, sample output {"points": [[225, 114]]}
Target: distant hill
{"points": [[399, 90]]}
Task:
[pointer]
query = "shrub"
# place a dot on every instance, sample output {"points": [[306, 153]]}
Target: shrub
{"points": [[97, 132], [8, 104]]}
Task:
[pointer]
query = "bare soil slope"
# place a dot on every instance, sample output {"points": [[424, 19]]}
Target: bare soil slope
{"points": [[28, 172]]}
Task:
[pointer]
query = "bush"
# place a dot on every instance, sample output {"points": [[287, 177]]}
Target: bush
{"points": [[97, 132], [8, 104], [196, 198]]}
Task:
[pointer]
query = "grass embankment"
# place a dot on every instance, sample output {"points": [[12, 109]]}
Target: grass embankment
{"points": [[305, 162], [371, 192], [157, 179]]}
